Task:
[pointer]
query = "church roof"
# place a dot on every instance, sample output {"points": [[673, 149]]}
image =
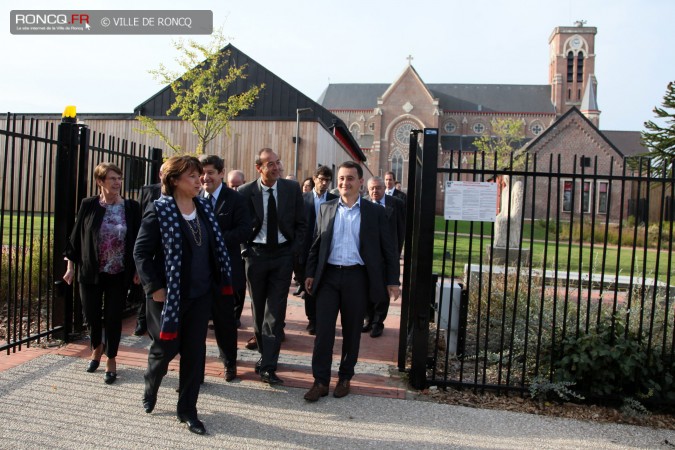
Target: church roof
{"points": [[629, 142], [452, 97], [590, 101]]}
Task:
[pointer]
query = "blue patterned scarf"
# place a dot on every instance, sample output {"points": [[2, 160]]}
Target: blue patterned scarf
{"points": [[172, 240]]}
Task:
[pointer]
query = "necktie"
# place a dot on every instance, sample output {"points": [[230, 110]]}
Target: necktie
{"points": [[272, 226], [213, 200]]}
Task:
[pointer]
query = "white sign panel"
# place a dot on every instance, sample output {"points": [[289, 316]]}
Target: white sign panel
{"points": [[470, 200]]}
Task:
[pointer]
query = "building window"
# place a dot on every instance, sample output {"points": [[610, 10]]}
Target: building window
{"points": [[603, 192], [371, 126], [580, 67], [402, 133], [354, 130], [478, 128], [586, 197], [397, 165], [585, 161], [570, 67], [536, 128], [449, 127], [567, 195]]}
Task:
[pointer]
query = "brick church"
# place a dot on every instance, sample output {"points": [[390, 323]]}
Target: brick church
{"points": [[561, 116]]}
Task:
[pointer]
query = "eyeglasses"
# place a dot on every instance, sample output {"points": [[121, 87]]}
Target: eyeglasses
{"points": [[324, 180]]}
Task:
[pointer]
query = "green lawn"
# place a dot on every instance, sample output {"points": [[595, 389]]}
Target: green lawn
{"points": [[11, 223], [461, 251]]}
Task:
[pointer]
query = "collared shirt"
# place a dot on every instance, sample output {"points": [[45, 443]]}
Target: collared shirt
{"points": [[261, 238], [380, 201], [389, 191], [344, 248], [213, 198], [318, 200]]}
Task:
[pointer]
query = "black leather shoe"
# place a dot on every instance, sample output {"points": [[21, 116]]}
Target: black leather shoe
{"points": [[270, 377], [258, 364], [149, 402], [141, 329], [194, 425], [110, 377], [230, 373], [367, 326], [377, 330], [311, 329], [93, 365]]}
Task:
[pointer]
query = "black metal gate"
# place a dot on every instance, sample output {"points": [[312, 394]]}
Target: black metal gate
{"points": [[45, 175], [579, 264]]}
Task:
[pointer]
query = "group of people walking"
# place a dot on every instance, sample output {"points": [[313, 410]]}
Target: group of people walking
{"points": [[200, 243]]}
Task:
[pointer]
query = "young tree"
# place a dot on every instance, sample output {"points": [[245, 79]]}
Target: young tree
{"points": [[660, 139], [201, 91], [507, 137]]}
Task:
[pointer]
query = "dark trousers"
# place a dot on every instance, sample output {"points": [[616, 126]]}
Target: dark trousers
{"points": [[140, 314], [343, 291], [194, 318], [108, 295], [310, 306], [225, 328], [268, 273], [377, 310]]}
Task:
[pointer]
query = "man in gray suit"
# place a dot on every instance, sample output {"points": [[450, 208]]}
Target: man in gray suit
{"points": [[350, 256], [378, 306], [279, 225]]}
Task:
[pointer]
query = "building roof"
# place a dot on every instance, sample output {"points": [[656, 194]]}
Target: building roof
{"points": [[452, 97], [590, 101], [629, 142], [278, 101]]}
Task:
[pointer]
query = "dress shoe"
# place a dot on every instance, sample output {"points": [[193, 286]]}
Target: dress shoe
{"points": [[377, 330], [341, 389], [110, 377], [258, 364], [270, 377], [317, 391], [149, 402], [141, 329], [311, 328], [93, 365], [367, 326], [252, 344], [299, 291], [194, 425], [230, 373]]}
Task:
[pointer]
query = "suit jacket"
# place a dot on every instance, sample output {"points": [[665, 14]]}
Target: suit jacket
{"points": [[290, 207], [149, 192], [310, 210], [376, 248], [395, 212], [82, 247], [235, 224], [400, 195], [149, 254]]}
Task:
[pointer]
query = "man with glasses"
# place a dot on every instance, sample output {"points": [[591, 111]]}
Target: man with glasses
{"points": [[322, 179]]}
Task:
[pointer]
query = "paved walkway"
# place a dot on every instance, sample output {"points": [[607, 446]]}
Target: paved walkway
{"points": [[48, 400]]}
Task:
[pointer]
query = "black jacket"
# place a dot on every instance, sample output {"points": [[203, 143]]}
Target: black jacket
{"points": [[82, 248], [149, 254]]}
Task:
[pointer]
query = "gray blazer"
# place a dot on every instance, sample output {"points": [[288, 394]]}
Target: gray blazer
{"points": [[376, 247]]}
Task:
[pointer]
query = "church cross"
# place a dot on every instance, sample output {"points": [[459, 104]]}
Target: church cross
{"points": [[410, 58]]}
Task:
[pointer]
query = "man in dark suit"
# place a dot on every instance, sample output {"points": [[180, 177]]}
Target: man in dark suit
{"points": [[235, 224], [390, 184], [278, 229], [350, 256], [148, 193], [313, 199], [378, 306]]}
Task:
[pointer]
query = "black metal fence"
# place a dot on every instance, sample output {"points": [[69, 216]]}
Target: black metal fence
{"points": [[46, 171], [570, 276]]}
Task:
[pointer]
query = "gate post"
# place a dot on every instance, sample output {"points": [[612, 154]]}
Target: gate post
{"points": [[156, 157], [68, 192], [422, 293]]}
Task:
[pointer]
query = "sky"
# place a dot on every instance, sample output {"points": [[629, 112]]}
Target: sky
{"points": [[311, 43]]}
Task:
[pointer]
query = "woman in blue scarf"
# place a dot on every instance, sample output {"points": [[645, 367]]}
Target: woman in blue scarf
{"points": [[183, 266]]}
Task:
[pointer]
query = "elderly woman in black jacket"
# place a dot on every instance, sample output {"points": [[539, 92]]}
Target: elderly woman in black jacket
{"points": [[184, 266], [101, 244]]}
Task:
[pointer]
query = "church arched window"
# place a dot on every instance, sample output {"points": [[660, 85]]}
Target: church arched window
{"points": [[580, 67], [570, 67], [397, 165], [355, 130]]}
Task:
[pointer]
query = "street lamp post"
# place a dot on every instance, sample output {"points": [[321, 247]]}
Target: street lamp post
{"points": [[297, 136]]}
